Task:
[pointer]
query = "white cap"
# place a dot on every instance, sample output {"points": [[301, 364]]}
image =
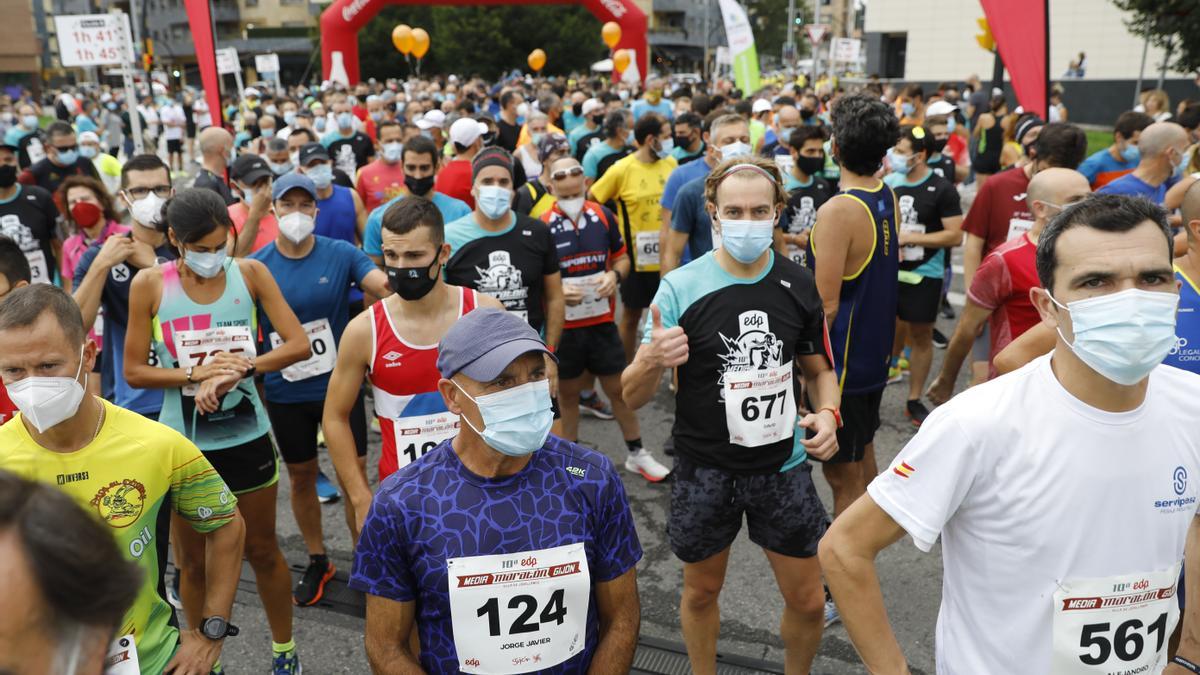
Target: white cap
{"points": [[431, 119], [466, 131], [251, 91], [760, 105], [89, 137], [591, 105], [940, 108]]}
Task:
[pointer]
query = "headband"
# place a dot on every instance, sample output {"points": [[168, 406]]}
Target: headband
{"points": [[736, 168]]}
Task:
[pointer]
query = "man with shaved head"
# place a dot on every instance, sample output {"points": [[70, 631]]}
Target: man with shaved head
{"points": [[1163, 147], [216, 144], [999, 293], [776, 143]]}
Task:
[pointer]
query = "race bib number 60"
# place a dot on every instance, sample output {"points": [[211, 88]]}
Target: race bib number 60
{"points": [[519, 612], [1118, 624]]}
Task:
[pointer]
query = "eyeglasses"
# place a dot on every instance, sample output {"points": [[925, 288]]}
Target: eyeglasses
{"points": [[66, 148], [572, 172], [162, 191]]}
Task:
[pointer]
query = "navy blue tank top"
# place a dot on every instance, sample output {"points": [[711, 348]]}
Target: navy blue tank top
{"points": [[862, 332]]}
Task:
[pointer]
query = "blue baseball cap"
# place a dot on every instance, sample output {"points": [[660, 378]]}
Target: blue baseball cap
{"points": [[290, 181], [483, 343]]}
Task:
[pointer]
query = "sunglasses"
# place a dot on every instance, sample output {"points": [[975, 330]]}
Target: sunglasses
{"points": [[572, 172]]}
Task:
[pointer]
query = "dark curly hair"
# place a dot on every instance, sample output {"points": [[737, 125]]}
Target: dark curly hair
{"points": [[97, 188], [864, 128]]}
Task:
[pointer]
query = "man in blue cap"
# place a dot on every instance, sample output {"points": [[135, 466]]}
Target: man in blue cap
{"points": [[313, 273], [505, 545]]}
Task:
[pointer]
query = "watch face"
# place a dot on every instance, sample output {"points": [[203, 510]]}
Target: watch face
{"points": [[214, 628]]}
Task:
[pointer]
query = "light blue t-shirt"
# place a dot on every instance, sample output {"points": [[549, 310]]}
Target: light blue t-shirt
{"points": [[663, 107], [577, 133], [452, 209], [591, 158]]}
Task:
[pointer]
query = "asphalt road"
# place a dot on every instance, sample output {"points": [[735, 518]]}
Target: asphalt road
{"points": [[750, 603]]}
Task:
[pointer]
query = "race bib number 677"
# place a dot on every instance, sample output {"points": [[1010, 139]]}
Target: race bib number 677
{"points": [[519, 612], [1116, 624]]}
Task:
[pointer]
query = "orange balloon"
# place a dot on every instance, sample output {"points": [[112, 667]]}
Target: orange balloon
{"points": [[402, 37], [621, 60], [611, 34], [537, 60], [420, 42]]}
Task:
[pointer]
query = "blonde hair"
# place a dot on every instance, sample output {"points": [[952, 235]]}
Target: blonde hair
{"points": [[743, 168], [1160, 98]]}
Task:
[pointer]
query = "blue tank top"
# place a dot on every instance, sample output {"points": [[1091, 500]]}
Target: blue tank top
{"points": [[186, 333], [862, 332], [1186, 352]]}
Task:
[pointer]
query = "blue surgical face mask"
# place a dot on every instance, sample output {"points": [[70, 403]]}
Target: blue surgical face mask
{"points": [[267, 133], [29, 121], [279, 169], [747, 240], [667, 146], [1181, 166], [908, 109], [319, 124], [392, 152], [900, 164], [735, 149], [321, 175], [951, 123], [289, 118], [537, 137], [87, 151], [345, 121], [1131, 154], [66, 157], [1124, 335], [207, 265], [494, 200], [516, 421]]}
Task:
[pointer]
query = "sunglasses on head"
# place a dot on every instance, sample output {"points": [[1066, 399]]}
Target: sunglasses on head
{"points": [[563, 174]]}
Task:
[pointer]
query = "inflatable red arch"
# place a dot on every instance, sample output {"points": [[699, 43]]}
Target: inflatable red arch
{"points": [[341, 21]]}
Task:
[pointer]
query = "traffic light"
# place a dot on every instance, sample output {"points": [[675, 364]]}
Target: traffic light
{"points": [[985, 38], [148, 55]]}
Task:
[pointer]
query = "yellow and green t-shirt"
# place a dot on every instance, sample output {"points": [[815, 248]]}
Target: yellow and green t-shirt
{"points": [[637, 187], [132, 477]]}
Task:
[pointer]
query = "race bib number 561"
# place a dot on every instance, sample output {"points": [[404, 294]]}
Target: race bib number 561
{"points": [[1117, 624], [519, 612]]}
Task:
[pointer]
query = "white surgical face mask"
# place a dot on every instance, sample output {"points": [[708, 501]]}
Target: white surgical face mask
{"points": [[148, 210], [571, 207], [296, 226], [47, 401]]}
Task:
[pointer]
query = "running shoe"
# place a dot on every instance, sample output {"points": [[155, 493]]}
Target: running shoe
{"points": [[895, 375], [947, 309], [644, 463], [311, 586], [831, 613], [940, 340], [327, 492], [595, 406], [217, 669], [916, 411], [287, 663], [173, 596]]}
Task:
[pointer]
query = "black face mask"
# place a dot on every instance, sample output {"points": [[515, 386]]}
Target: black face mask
{"points": [[937, 146], [412, 283], [810, 165], [597, 119], [806, 114], [8, 175], [418, 186], [683, 141], [577, 109]]}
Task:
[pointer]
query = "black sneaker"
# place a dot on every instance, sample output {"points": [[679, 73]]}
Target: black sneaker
{"points": [[940, 340], [947, 309], [311, 586], [916, 411]]}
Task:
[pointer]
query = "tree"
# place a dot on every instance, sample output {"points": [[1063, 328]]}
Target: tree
{"points": [[1173, 25], [484, 40]]}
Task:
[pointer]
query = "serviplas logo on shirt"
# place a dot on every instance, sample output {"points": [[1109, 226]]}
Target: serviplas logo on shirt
{"points": [[754, 348], [1181, 501], [120, 503]]}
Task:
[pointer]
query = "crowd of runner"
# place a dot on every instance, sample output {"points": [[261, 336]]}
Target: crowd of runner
{"points": [[465, 268]]}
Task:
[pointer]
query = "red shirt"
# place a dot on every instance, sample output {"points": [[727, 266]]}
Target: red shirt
{"points": [[7, 409], [454, 180], [1000, 209], [268, 227], [1002, 285], [956, 147], [379, 182]]}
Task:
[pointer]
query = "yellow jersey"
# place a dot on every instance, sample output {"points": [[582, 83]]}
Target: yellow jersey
{"points": [[637, 188], [132, 476]]}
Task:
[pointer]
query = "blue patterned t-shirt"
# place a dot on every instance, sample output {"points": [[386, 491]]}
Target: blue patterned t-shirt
{"points": [[435, 509]]}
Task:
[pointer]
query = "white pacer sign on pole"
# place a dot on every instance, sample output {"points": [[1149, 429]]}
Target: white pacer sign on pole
{"points": [[228, 64], [86, 40]]}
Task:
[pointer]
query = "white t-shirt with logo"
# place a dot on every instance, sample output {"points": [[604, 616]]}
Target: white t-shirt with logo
{"points": [[1056, 518]]}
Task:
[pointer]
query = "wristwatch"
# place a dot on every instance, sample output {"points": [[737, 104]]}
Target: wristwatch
{"points": [[217, 628], [188, 372]]}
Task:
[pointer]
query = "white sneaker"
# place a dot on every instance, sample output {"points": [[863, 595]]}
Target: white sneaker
{"points": [[644, 463]]}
